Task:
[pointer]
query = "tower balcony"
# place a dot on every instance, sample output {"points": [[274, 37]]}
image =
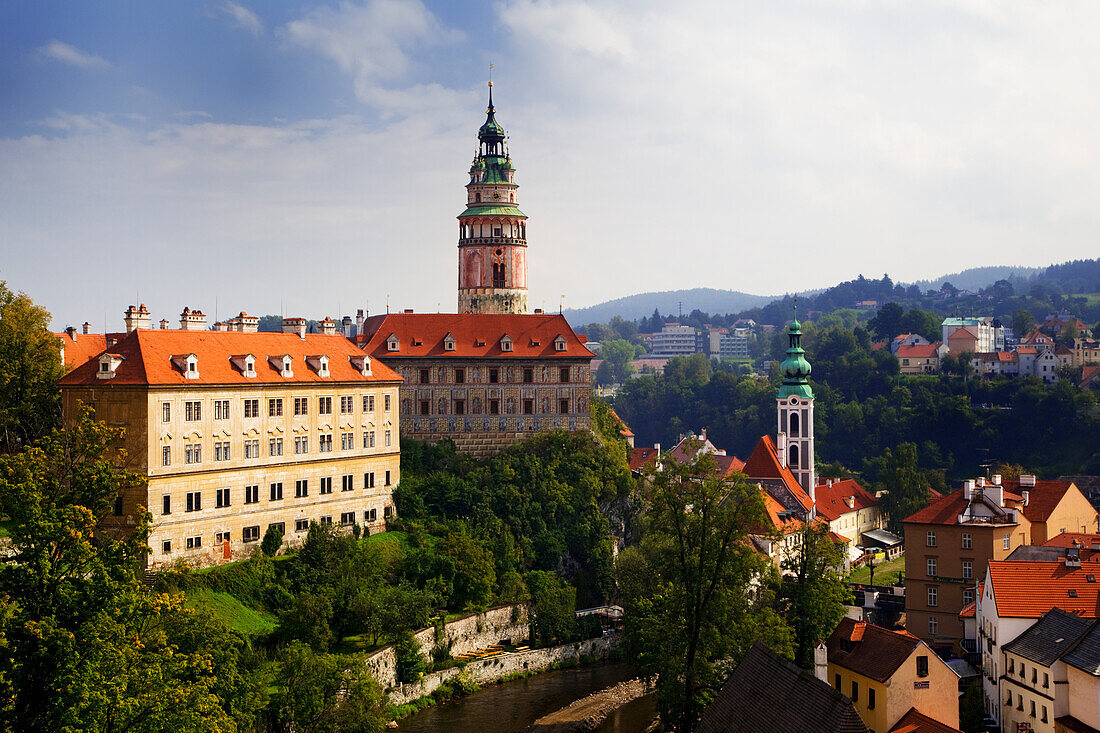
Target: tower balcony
{"points": [[492, 241]]}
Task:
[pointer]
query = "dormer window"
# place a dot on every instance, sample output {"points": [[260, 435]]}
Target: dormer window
{"points": [[505, 343], [361, 364], [245, 364], [319, 363], [449, 342], [282, 363], [393, 343], [188, 364], [108, 363], [559, 343]]}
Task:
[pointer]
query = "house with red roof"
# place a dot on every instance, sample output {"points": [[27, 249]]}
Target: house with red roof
{"points": [[920, 358], [849, 509]]}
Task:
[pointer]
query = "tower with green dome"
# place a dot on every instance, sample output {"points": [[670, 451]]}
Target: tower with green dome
{"points": [[795, 399], [492, 231]]}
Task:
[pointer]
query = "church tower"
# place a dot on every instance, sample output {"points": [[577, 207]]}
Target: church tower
{"points": [[492, 231], [796, 412]]}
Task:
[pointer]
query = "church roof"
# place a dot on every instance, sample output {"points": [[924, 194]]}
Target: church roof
{"points": [[763, 465], [492, 210]]}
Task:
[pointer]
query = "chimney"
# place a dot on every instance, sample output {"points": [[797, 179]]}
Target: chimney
{"points": [[136, 318], [359, 318], [781, 448], [996, 494], [850, 501], [703, 434], [295, 325], [657, 447], [346, 327], [163, 324], [821, 662], [968, 490], [192, 320], [71, 330], [996, 479], [1027, 479], [980, 482], [86, 328], [328, 327], [1026, 494], [408, 310], [245, 323]]}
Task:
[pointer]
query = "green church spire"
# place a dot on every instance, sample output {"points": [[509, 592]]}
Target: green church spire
{"points": [[795, 368]]}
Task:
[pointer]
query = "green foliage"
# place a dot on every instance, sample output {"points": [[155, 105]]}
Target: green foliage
{"points": [[552, 608], [972, 710], [813, 593], [410, 664], [230, 612], [327, 693], [904, 485], [615, 368], [273, 540], [30, 365], [308, 620], [685, 588]]}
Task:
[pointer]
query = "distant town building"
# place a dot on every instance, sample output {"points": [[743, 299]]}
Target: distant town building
{"points": [[972, 334], [673, 340], [920, 358]]}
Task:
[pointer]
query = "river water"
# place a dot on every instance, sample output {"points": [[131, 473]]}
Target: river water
{"points": [[513, 706]]}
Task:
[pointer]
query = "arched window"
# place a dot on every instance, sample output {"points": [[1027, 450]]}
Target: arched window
{"points": [[512, 197], [792, 454], [498, 274], [477, 197], [794, 424]]}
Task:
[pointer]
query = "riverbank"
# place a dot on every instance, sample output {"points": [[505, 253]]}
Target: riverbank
{"points": [[585, 715]]}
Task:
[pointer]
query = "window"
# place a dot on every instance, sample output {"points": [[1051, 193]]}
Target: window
{"points": [[870, 698], [221, 409], [368, 439], [368, 403], [192, 410], [387, 512], [933, 596], [968, 596], [932, 566], [252, 448], [933, 625], [855, 691], [460, 376], [1033, 708], [836, 681], [326, 485], [563, 374], [494, 376], [425, 407], [166, 547], [1011, 665], [347, 441], [326, 520], [930, 540], [275, 407], [968, 569], [221, 498], [1046, 681], [275, 446], [166, 412], [221, 451], [425, 376], [563, 406], [301, 406], [386, 402], [279, 527], [166, 455], [1044, 714], [347, 518], [528, 375], [194, 501], [922, 666], [276, 491], [193, 543], [528, 407], [368, 480], [460, 407], [1034, 675], [251, 534], [370, 515], [389, 440], [117, 509], [346, 405], [347, 482], [192, 453], [387, 478], [251, 494], [252, 408], [494, 407], [301, 444], [301, 488], [1006, 542], [967, 541], [166, 504], [301, 525], [221, 538], [324, 405], [324, 443]]}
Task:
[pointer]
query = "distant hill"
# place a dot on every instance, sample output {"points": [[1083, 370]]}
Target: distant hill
{"points": [[977, 278], [633, 307]]}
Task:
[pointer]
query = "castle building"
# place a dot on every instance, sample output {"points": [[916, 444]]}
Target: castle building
{"points": [[492, 231], [235, 432]]}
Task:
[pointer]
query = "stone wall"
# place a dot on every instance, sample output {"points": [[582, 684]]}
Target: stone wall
{"points": [[492, 670], [474, 631]]}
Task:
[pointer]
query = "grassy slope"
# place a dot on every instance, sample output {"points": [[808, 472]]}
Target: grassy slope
{"points": [[230, 611], [885, 572]]}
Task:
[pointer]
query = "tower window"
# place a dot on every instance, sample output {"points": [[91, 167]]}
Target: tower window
{"points": [[498, 275], [793, 456], [496, 231], [794, 424], [477, 197]]}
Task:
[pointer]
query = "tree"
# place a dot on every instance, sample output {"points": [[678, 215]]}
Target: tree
{"points": [[887, 322], [410, 664], [905, 486], [327, 693], [972, 710], [30, 365], [925, 323], [273, 540], [616, 355], [813, 593], [86, 646], [552, 608], [1022, 322], [471, 570], [686, 586]]}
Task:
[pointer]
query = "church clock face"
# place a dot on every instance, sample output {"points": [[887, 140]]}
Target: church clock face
{"points": [[496, 195]]}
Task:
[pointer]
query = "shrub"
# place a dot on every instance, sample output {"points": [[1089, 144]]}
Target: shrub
{"points": [[273, 540]]}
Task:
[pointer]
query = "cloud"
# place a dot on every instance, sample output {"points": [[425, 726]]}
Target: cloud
{"points": [[243, 17], [63, 52]]}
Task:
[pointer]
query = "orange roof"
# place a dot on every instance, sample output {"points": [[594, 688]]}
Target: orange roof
{"points": [[970, 610], [917, 351], [1030, 589], [838, 539], [998, 356], [944, 510], [915, 721], [640, 457], [1027, 350], [690, 447], [147, 359], [1066, 539], [626, 431], [1042, 498], [784, 524], [764, 465], [869, 650], [83, 346], [1089, 374], [476, 335], [962, 333], [832, 501]]}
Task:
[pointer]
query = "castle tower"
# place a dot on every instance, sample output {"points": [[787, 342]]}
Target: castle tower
{"points": [[492, 232], [795, 401]]}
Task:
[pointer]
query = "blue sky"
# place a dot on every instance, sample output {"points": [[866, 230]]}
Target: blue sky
{"points": [[309, 158]]}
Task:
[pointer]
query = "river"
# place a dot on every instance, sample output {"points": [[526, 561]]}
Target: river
{"points": [[512, 706]]}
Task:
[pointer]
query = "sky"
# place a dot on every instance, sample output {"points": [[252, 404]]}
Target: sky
{"points": [[309, 158]]}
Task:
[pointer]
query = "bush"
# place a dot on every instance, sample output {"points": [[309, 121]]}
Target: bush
{"points": [[410, 665], [273, 540]]}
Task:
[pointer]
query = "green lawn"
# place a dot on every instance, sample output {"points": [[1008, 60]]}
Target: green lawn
{"points": [[230, 611], [4, 524], [886, 573]]}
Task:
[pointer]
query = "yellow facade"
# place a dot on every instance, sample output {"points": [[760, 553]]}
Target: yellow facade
{"points": [[1027, 691], [178, 437]]}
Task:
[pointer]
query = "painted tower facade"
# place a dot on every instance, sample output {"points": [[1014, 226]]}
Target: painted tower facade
{"points": [[795, 401], [492, 231]]}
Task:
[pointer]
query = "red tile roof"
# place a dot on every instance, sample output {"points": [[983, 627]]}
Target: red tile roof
{"points": [[962, 332], [918, 351], [83, 346], [832, 500], [1030, 589], [915, 721], [687, 449], [869, 650], [1043, 497], [1089, 374], [476, 335], [1066, 539], [641, 456], [780, 520], [147, 359], [946, 510], [764, 465], [626, 431]]}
